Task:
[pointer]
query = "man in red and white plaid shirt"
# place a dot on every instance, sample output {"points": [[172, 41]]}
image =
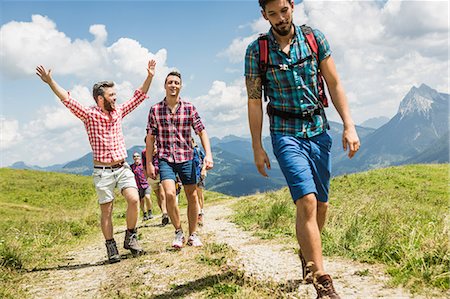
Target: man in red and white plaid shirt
{"points": [[103, 124], [169, 123]]}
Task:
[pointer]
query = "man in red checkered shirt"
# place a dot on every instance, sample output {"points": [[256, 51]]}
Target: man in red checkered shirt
{"points": [[103, 124], [169, 123]]}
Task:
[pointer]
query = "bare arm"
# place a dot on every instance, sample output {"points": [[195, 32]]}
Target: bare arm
{"points": [[46, 76], [208, 161], [349, 136], [149, 156], [150, 73], [255, 119]]}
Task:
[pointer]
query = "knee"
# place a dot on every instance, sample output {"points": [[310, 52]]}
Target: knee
{"points": [[307, 206]]}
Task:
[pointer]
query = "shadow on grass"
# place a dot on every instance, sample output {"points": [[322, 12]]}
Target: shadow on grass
{"points": [[233, 277], [86, 265], [183, 290]]}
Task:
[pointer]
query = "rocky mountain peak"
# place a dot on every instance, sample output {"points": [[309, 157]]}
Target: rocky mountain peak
{"points": [[418, 101]]}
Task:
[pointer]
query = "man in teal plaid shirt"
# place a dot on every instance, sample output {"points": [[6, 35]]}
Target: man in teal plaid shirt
{"points": [[298, 126]]}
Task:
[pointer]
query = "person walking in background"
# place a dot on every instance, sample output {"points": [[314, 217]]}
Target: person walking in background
{"points": [[155, 184], [292, 79], [143, 187], [103, 123], [169, 123], [200, 172]]}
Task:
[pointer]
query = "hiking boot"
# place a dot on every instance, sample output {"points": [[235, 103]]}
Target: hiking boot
{"points": [[144, 218], [306, 271], [324, 287], [149, 215], [165, 220], [179, 239], [200, 219], [194, 240], [131, 243], [113, 253]]}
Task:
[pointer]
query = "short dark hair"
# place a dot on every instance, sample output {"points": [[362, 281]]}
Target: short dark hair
{"points": [[173, 73], [99, 88], [263, 3]]}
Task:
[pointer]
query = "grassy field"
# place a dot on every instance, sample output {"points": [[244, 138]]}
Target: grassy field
{"points": [[44, 215], [396, 216]]}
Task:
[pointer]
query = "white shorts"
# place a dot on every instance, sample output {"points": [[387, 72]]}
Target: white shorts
{"points": [[105, 180], [155, 184]]}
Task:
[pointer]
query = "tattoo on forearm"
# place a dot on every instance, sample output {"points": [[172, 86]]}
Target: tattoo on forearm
{"points": [[254, 89]]}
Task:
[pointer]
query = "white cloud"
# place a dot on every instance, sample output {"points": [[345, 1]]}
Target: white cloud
{"points": [[9, 133]]}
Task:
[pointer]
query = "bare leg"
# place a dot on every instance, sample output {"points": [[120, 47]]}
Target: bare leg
{"points": [[201, 198], [172, 207], [322, 208], [161, 196], [308, 233], [148, 202], [192, 209], [132, 197], [106, 220]]}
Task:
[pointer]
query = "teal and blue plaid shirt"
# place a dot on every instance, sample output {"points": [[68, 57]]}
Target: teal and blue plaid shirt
{"points": [[292, 89]]}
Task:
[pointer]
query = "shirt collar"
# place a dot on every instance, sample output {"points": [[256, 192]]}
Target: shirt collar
{"points": [[298, 36]]}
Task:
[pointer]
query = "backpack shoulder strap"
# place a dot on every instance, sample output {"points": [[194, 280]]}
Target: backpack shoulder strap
{"points": [[263, 42], [311, 40]]}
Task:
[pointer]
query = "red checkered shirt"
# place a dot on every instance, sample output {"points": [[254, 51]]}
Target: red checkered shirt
{"points": [[105, 132], [173, 131]]}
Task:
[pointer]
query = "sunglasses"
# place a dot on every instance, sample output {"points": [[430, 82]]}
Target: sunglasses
{"points": [[136, 156]]}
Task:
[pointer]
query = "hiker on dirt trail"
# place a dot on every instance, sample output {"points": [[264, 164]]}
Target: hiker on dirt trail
{"points": [[169, 124], [200, 172], [143, 187], [288, 67], [155, 184], [103, 124]]}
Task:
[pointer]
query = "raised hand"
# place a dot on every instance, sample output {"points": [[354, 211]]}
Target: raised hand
{"points": [[151, 67], [45, 76]]}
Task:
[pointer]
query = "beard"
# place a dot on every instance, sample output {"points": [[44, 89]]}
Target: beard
{"points": [[282, 31], [109, 107]]}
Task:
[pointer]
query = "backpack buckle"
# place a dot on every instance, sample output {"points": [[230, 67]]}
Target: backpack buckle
{"points": [[284, 67]]}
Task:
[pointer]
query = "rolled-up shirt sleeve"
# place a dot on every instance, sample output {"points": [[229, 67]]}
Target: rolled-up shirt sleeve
{"points": [[197, 124], [131, 104], [322, 44], [76, 108], [251, 61], [152, 126]]}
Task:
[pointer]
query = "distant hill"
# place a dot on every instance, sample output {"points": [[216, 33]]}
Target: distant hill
{"points": [[375, 122]]}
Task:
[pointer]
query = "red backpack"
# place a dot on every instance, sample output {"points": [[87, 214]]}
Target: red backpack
{"points": [[264, 62]]}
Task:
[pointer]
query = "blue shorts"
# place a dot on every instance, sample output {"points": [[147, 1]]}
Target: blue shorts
{"points": [[185, 170], [305, 163]]}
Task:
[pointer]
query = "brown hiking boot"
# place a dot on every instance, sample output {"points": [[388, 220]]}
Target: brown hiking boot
{"points": [[306, 271], [324, 287], [132, 243], [113, 253]]}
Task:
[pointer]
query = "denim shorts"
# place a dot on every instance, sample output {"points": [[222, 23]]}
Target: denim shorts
{"points": [[185, 170], [105, 180], [305, 163]]}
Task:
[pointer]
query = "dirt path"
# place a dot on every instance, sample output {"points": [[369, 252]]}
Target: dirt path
{"points": [[84, 274], [278, 262]]}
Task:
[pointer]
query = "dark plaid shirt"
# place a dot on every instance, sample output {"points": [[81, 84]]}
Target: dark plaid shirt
{"points": [[139, 175], [173, 131], [292, 90]]}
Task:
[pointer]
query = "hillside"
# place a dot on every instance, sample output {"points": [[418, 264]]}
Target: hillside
{"points": [[50, 223], [396, 216]]}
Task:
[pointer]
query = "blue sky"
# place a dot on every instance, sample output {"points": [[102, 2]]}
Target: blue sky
{"points": [[381, 49]]}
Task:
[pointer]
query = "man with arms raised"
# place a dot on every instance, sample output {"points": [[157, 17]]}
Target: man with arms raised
{"points": [[103, 124]]}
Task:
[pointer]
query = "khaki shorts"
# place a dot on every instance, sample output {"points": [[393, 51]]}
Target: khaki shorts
{"points": [[105, 180], [154, 184]]}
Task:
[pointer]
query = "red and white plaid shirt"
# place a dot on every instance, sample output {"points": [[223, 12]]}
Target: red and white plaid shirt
{"points": [[105, 132], [173, 131]]}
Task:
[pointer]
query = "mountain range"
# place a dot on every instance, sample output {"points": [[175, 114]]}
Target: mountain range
{"points": [[418, 133]]}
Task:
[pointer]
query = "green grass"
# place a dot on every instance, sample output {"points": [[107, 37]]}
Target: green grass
{"points": [[396, 216], [42, 214]]}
